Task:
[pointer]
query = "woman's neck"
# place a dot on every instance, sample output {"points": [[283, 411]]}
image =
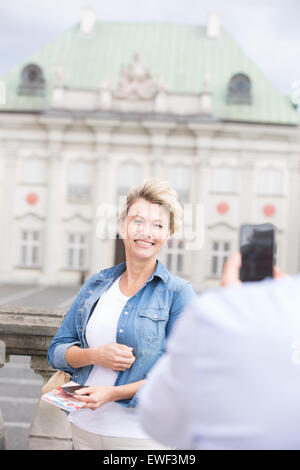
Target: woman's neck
{"points": [[135, 275]]}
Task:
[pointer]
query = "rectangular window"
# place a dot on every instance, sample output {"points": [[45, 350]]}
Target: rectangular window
{"points": [[80, 180], [34, 171], [219, 254], [77, 251], [30, 248], [77, 191], [180, 179], [223, 180], [129, 174], [270, 182], [175, 258]]}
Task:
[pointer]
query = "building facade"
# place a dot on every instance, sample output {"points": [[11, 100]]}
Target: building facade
{"points": [[107, 105]]}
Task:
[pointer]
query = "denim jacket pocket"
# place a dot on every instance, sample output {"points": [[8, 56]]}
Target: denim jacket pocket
{"points": [[152, 323]]}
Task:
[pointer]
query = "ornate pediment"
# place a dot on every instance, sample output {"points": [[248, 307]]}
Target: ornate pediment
{"points": [[136, 82]]}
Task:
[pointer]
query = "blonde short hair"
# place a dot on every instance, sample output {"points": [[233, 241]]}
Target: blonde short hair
{"points": [[156, 191]]}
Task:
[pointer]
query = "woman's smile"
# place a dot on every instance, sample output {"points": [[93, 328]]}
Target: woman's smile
{"points": [[144, 243]]}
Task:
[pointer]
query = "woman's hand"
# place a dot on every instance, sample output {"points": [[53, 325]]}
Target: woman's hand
{"points": [[114, 356], [95, 396]]}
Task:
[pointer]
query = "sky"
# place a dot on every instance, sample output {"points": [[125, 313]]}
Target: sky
{"points": [[267, 30]]}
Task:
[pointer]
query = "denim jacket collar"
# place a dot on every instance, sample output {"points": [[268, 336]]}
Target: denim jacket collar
{"points": [[115, 271]]}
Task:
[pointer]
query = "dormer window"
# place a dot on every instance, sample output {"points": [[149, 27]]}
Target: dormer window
{"points": [[239, 89], [32, 81]]}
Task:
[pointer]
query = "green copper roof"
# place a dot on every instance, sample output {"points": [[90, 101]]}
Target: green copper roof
{"points": [[177, 54]]}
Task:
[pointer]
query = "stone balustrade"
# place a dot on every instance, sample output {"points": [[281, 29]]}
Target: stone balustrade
{"points": [[28, 331]]}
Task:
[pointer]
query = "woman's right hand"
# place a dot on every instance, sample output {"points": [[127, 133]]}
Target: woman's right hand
{"points": [[114, 356]]}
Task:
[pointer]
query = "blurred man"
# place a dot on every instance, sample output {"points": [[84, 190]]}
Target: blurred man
{"points": [[230, 378]]}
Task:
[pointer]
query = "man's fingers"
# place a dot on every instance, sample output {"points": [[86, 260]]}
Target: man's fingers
{"points": [[231, 270], [278, 274]]}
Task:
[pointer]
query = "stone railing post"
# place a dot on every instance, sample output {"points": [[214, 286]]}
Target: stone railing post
{"points": [[28, 331]]}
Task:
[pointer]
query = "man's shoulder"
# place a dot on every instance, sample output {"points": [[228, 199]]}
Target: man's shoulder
{"points": [[242, 301]]}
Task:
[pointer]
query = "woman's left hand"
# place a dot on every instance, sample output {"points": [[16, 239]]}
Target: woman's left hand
{"points": [[95, 396]]}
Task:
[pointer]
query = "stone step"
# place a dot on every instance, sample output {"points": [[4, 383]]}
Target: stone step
{"points": [[19, 371], [16, 435], [27, 388], [18, 409]]}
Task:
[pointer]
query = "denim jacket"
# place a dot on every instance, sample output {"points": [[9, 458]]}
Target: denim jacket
{"points": [[145, 321]]}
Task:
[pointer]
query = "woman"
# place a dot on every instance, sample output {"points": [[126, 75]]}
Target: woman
{"points": [[117, 326]]}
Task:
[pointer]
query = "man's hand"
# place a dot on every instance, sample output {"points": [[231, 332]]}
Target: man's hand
{"points": [[114, 356], [231, 271]]}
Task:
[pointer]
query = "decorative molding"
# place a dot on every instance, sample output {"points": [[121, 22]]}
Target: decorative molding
{"points": [[222, 224], [22, 217], [136, 82], [76, 216]]}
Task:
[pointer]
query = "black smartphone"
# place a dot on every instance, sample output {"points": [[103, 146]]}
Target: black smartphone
{"points": [[72, 388], [258, 250]]}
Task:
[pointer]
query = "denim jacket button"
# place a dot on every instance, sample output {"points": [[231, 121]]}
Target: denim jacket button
{"points": [[121, 331], [126, 313]]}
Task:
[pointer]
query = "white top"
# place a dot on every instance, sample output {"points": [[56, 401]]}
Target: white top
{"points": [[111, 419], [231, 376]]}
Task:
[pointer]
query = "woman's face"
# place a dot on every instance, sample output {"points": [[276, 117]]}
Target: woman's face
{"points": [[145, 229]]}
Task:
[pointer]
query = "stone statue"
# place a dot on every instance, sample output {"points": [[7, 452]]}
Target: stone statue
{"points": [[136, 82]]}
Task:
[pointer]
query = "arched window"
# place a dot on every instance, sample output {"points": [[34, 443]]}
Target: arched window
{"points": [[239, 89], [32, 80]]}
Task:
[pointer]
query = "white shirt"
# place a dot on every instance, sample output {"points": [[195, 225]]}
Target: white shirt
{"points": [[231, 376], [111, 419]]}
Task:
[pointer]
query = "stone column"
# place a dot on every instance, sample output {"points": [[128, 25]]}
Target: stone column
{"points": [[204, 133], [246, 191], [201, 199], [102, 246], [51, 255], [52, 241], [159, 134], [7, 217], [99, 241], [2, 433], [28, 331], [50, 429], [157, 164], [2, 426], [292, 263]]}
